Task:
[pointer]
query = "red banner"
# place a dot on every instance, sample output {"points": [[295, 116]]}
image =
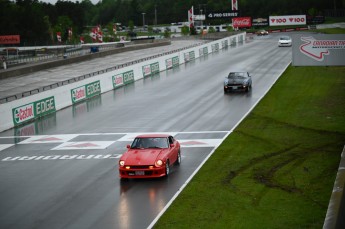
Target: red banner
{"points": [[58, 36], [9, 39], [191, 17], [242, 22]]}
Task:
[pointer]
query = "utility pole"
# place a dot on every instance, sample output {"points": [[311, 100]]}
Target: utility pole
{"points": [[143, 19], [155, 14]]}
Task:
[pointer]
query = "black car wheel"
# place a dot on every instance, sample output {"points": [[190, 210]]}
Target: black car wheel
{"points": [[178, 160], [167, 168], [248, 88]]}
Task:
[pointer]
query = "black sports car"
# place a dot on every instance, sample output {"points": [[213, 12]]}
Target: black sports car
{"points": [[238, 81]]}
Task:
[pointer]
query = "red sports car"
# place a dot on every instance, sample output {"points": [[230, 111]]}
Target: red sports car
{"points": [[150, 155]]}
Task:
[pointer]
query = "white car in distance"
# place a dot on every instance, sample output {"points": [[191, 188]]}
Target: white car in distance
{"points": [[284, 41]]}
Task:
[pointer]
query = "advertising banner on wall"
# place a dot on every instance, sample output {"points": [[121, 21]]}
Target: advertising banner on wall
{"points": [[123, 79], [203, 51], [287, 20], [150, 69], [33, 110], [260, 22], [9, 39], [86, 91], [215, 47], [172, 62], [318, 50], [242, 22], [189, 56]]}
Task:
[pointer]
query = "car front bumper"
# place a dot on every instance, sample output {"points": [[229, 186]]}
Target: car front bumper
{"points": [[284, 44], [235, 87], [142, 173]]}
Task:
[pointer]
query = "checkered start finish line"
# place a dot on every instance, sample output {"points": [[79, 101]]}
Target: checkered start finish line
{"points": [[210, 139]]}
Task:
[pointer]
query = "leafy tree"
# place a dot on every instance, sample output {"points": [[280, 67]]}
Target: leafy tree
{"points": [[34, 20], [192, 31], [211, 29], [63, 24], [185, 30], [167, 34], [131, 25]]}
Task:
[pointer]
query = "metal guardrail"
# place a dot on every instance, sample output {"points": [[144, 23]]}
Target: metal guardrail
{"points": [[82, 77], [55, 53]]}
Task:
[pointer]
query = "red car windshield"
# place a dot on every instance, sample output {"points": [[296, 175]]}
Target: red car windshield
{"points": [[145, 143]]}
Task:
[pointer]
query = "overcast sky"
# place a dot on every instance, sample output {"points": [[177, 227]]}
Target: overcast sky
{"points": [[54, 1]]}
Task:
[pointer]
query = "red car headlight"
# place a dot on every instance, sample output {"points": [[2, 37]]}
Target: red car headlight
{"points": [[159, 163], [121, 163]]}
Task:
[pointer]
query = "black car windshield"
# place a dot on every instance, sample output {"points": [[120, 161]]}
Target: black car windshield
{"points": [[284, 38], [145, 143], [237, 75]]}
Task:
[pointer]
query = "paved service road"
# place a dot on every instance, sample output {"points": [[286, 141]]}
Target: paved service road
{"points": [[33, 80], [61, 171]]}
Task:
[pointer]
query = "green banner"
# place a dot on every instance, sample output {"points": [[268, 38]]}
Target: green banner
{"points": [[33, 110], [189, 56], [123, 78], [150, 69], [172, 62], [86, 91]]}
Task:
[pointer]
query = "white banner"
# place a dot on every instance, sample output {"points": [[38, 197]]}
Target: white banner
{"points": [[287, 20], [318, 50], [234, 5], [191, 17]]}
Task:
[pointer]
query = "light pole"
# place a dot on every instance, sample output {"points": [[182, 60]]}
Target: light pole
{"points": [[143, 19], [201, 19], [155, 14]]}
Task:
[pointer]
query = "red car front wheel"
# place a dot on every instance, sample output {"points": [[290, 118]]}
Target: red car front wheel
{"points": [[167, 168]]}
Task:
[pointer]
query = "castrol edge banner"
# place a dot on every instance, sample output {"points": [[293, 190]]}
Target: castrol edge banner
{"points": [[33, 110], [241, 22], [287, 20]]}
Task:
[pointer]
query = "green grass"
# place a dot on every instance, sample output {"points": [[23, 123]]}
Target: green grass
{"points": [[330, 20], [277, 169], [330, 31]]}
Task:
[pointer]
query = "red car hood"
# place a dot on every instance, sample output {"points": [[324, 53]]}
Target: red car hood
{"points": [[141, 156]]}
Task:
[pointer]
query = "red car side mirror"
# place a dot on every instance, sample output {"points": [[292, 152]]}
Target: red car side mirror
{"points": [[128, 146], [172, 145]]}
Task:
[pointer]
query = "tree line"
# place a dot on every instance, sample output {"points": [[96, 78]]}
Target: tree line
{"points": [[38, 22]]}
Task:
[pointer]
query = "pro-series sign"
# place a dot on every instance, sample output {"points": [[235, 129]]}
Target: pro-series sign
{"points": [[218, 15], [86, 91], [123, 79], [33, 110]]}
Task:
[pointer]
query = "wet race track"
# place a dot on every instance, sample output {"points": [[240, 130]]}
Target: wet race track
{"points": [[64, 175]]}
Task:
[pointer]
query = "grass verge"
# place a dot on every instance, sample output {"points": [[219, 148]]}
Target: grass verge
{"points": [[277, 169]]}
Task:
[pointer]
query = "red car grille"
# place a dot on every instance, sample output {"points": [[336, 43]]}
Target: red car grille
{"points": [[140, 166], [146, 173]]}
